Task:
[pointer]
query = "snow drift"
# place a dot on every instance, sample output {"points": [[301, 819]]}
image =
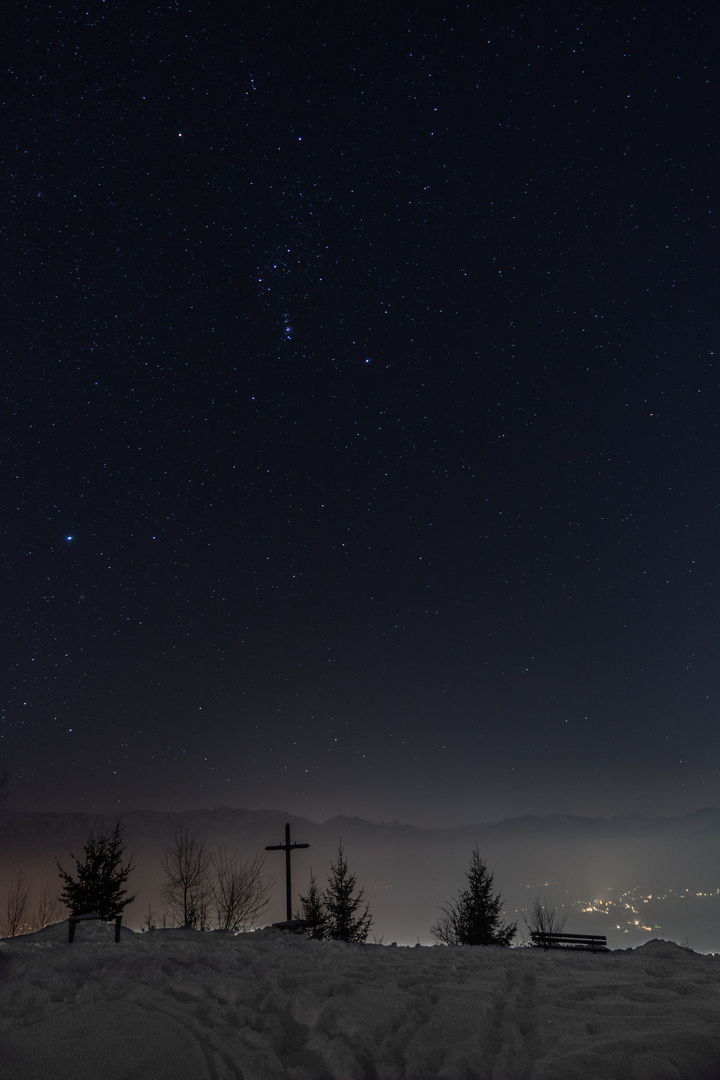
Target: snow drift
{"points": [[181, 1005]]}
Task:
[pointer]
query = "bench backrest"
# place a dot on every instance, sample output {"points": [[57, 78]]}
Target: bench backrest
{"points": [[592, 941]]}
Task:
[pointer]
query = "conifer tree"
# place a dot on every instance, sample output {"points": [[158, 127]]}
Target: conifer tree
{"points": [[98, 887], [474, 917], [345, 920], [312, 910]]}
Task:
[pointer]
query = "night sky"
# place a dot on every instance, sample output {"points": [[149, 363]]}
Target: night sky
{"points": [[361, 405]]}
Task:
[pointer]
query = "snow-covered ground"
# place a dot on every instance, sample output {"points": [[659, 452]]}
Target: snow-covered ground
{"points": [[180, 1005]]}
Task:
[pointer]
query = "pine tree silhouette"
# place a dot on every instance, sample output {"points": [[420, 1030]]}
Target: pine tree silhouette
{"points": [[474, 917], [97, 889], [345, 921], [312, 910]]}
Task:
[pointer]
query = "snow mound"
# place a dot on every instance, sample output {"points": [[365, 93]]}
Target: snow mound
{"points": [[180, 1005], [669, 949]]}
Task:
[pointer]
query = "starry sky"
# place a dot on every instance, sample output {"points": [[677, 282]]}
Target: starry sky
{"points": [[361, 408]]}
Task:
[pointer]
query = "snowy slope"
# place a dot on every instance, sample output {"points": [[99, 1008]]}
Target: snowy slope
{"points": [[180, 1005]]}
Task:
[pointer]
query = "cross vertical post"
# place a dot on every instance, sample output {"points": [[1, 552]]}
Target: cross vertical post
{"points": [[287, 847]]}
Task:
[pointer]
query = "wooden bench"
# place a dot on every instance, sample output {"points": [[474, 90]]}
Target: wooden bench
{"points": [[586, 942], [75, 919]]}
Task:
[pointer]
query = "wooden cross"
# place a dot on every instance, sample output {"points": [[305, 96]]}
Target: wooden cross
{"points": [[287, 847]]}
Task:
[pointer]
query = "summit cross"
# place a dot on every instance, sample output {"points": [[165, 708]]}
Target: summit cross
{"points": [[287, 847]]}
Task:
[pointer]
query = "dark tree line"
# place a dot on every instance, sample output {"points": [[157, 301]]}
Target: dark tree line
{"points": [[211, 889], [338, 912], [202, 888]]}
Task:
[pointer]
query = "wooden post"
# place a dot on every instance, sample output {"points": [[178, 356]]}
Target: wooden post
{"points": [[287, 847]]}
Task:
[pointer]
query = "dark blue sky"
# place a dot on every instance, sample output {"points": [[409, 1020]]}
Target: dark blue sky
{"points": [[362, 408]]}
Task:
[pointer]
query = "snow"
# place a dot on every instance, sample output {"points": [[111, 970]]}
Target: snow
{"points": [[181, 1005]]}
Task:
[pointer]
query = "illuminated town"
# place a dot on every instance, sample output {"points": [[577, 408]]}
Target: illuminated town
{"points": [[672, 914]]}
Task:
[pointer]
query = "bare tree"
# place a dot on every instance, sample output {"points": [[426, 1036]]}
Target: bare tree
{"points": [[542, 919], [186, 889], [48, 908], [17, 906], [240, 890]]}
